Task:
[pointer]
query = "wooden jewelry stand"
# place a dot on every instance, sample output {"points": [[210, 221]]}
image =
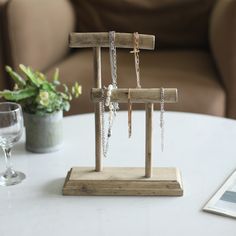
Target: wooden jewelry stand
{"points": [[116, 180]]}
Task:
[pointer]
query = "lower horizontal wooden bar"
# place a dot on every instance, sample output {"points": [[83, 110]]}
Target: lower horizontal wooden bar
{"points": [[117, 181], [137, 95]]}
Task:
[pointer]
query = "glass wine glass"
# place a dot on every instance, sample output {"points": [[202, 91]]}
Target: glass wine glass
{"points": [[11, 128]]}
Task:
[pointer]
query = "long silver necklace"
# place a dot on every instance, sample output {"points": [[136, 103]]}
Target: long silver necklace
{"points": [[113, 63], [106, 99], [162, 111]]}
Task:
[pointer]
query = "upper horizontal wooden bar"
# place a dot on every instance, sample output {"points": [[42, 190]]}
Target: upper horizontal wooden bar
{"points": [[137, 95], [101, 39]]}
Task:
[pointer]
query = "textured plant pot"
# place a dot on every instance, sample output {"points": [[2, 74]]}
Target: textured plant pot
{"points": [[44, 133]]}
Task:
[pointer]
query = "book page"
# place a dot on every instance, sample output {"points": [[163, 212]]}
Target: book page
{"points": [[224, 200]]}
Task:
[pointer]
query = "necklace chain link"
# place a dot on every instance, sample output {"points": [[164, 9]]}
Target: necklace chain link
{"points": [[162, 111]]}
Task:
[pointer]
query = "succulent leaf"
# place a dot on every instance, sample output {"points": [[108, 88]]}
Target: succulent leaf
{"points": [[56, 75], [18, 95], [16, 77], [30, 75]]}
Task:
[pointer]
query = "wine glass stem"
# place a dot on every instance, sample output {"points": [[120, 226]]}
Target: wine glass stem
{"points": [[9, 171]]}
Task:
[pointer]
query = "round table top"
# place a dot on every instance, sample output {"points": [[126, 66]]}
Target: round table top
{"points": [[202, 147]]}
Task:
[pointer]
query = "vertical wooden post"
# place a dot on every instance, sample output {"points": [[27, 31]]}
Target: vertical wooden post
{"points": [[97, 109], [148, 156]]}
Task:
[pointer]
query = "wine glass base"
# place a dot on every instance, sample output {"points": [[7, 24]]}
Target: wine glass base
{"points": [[12, 179]]}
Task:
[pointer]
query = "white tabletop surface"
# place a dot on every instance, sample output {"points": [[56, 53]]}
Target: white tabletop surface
{"points": [[203, 147]]}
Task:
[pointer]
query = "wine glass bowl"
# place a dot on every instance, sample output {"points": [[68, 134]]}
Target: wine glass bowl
{"points": [[11, 128]]}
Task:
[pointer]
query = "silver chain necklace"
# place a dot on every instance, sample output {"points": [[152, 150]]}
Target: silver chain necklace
{"points": [[112, 51], [113, 63], [113, 106], [162, 111], [104, 139]]}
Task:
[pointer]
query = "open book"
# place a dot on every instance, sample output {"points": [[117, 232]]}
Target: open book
{"points": [[223, 201]]}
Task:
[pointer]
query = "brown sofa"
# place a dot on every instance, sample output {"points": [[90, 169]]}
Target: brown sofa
{"points": [[195, 41]]}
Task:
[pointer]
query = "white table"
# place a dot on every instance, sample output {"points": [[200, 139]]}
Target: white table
{"points": [[203, 147]]}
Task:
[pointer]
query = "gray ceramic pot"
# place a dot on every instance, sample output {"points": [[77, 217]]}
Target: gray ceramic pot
{"points": [[44, 133]]}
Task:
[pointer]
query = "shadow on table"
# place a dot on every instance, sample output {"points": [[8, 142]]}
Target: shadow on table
{"points": [[54, 187]]}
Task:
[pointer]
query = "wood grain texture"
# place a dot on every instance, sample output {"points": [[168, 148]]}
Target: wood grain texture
{"points": [[101, 39], [137, 95], [97, 110], [123, 181], [148, 149]]}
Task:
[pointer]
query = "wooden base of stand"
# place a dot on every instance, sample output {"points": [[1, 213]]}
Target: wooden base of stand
{"points": [[123, 182]]}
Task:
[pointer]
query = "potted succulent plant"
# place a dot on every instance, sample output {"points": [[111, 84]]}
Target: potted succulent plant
{"points": [[43, 104]]}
